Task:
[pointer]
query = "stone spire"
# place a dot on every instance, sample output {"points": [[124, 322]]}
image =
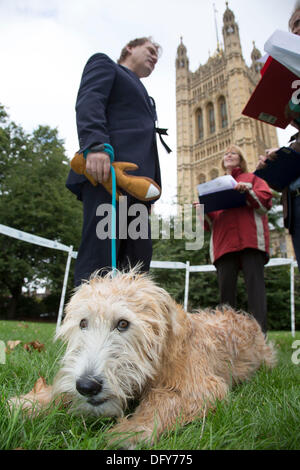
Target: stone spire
{"points": [[182, 60]]}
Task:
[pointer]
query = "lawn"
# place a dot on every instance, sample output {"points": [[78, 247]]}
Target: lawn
{"points": [[261, 414]]}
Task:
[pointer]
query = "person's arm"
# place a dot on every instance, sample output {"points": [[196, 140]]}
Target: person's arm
{"points": [[91, 107], [269, 155], [259, 195]]}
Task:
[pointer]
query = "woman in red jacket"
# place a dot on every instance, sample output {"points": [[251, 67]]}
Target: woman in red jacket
{"points": [[240, 238]]}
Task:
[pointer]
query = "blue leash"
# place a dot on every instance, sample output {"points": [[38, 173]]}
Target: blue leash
{"points": [[110, 151]]}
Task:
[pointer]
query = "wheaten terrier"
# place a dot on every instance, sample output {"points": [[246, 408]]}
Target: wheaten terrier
{"points": [[127, 339]]}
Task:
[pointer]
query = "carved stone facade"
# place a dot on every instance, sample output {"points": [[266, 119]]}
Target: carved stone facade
{"points": [[209, 103]]}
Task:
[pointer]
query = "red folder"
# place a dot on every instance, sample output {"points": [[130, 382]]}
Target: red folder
{"points": [[272, 94]]}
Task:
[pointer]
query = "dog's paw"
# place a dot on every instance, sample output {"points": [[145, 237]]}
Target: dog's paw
{"points": [[126, 436], [34, 401]]}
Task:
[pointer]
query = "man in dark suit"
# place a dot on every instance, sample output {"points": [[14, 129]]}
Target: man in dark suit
{"points": [[113, 107]]}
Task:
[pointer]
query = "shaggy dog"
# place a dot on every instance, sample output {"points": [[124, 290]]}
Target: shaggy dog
{"points": [[127, 339]]}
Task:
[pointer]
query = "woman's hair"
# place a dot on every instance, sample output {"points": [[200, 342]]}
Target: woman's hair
{"points": [[135, 43], [238, 150], [296, 8]]}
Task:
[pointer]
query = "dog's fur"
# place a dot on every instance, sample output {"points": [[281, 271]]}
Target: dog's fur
{"points": [[176, 364]]}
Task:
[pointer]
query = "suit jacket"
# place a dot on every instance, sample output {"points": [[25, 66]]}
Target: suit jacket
{"points": [[286, 200], [114, 107]]}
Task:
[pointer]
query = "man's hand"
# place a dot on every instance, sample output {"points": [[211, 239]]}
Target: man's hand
{"points": [[270, 155], [261, 162], [98, 166]]}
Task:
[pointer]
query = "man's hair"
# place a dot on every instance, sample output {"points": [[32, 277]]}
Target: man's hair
{"points": [[243, 162], [296, 8], [135, 43]]}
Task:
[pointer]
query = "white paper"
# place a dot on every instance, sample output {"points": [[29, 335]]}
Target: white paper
{"points": [[285, 48], [221, 183]]}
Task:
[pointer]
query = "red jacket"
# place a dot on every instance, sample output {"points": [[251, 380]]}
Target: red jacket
{"points": [[242, 227]]}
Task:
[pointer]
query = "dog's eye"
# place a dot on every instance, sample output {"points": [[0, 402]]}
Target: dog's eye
{"points": [[83, 324], [123, 325]]}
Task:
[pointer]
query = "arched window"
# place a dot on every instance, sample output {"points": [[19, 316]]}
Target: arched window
{"points": [[223, 112], [211, 118], [201, 178], [199, 124], [214, 173]]}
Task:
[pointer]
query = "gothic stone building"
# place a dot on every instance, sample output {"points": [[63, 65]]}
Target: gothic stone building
{"points": [[209, 104]]}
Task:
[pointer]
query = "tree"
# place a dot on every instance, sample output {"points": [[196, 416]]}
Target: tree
{"points": [[203, 289], [275, 214], [34, 199]]}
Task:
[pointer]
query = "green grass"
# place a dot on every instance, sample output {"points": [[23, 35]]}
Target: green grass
{"points": [[261, 414]]}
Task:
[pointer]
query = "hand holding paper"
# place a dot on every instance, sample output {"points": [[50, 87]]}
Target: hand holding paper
{"points": [[242, 188], [281, 169], [270, 155], [220, 193]]}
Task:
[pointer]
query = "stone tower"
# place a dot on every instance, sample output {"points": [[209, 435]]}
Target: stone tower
{"points": [[209, 104]]}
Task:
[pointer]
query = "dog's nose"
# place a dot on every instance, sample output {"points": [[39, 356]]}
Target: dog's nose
{"points": [[89, 386]]}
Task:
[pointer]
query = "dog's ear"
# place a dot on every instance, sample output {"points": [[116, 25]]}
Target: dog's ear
{"points": [[149, 299], [178, 318], [163, 305], [62, 331], [69, 323]]}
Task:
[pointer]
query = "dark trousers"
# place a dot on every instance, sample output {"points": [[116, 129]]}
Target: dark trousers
{"points": [[251, 262], [133, 244]]}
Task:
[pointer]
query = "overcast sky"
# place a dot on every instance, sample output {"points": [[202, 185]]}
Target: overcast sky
{"points": [[46, 43]]}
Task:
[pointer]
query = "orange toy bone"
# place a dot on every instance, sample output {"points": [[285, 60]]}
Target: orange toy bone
{"points": [[140, 187]]}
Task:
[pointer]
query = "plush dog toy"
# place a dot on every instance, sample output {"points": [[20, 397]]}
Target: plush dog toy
{"points": [[141, 187]]}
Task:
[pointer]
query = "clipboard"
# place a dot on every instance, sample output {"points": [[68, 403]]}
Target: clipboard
{"points": [[227, 199], [281, 171]]}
